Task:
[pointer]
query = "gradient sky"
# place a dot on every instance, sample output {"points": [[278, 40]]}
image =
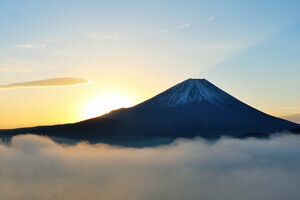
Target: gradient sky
{"points": [[132, 50]]}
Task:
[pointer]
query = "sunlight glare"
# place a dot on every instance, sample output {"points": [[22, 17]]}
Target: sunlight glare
{"points": [[105, 103]]}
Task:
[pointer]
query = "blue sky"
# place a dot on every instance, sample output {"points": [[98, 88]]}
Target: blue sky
{"points": [[265, 72], [248, 48]]}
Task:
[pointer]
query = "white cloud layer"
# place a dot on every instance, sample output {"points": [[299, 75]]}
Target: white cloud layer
{"points": [[35, 167]]}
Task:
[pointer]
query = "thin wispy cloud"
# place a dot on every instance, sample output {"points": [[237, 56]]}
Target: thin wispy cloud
{"points": [[209, 19], [182, 26], [29, 46], [17, 65], [54, 82], [177, 28], [103, 36], [15, 69]]}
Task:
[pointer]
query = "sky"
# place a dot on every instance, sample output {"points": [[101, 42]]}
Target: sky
{"points": [[111, 54]]}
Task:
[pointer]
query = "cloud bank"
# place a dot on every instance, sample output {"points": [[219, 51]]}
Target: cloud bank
{"points": [[54, 82], [34, 167]]}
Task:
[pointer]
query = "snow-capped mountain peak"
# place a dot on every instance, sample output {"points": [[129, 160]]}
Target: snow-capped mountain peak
{"points": [[189, 91]]}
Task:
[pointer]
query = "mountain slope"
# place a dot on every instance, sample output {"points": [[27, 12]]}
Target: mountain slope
{"points": [[189, 91], [192, 108]]}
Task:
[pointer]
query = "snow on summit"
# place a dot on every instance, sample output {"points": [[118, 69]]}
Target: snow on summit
{"points": [[190, 91]]}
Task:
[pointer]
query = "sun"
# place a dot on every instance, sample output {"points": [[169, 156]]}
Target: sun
{"points": [[105, 103]]}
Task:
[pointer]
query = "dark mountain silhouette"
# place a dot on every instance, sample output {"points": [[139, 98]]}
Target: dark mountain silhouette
{"points": [[194, 107]]}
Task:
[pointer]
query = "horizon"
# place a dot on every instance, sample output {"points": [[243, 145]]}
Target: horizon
{"points": [[90, 115], [139, 103]]}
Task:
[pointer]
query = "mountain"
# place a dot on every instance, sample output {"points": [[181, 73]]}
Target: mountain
{"points": [[194, 107]]}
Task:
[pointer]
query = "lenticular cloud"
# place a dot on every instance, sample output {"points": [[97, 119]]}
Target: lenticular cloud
{"points": [[35, 167]]}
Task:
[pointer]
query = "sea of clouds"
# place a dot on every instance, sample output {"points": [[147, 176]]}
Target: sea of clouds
{"points": [[34, 167]]}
